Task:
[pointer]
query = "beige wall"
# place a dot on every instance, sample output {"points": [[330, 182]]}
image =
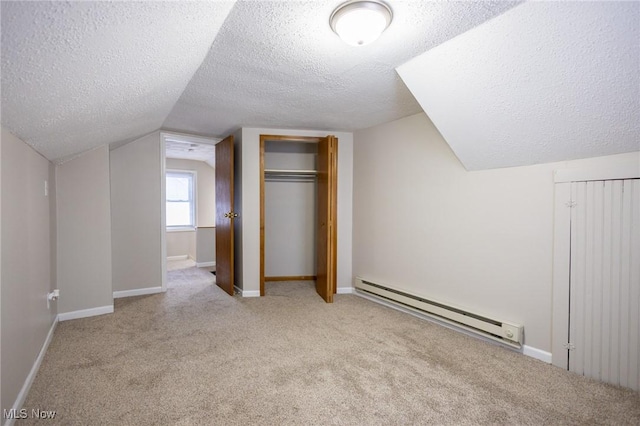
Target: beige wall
{"points": [[206, 188], [28, 265], [206, 246], [290, 228], [84, 232], [250, 202], [181, 243], [481, 240], [135, 214], [53, 227]]}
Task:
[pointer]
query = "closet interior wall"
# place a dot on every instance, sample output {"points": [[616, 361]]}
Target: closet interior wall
{"points": [[290, 209]]}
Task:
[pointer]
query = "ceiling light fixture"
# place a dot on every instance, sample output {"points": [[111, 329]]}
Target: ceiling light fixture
{"points": [[359, 22]]}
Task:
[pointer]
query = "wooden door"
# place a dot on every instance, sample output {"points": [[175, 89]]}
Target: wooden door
{"points": [[224, 215], [326, 236]]}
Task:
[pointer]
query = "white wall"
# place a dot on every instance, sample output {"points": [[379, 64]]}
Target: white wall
{"points": [[28, 261], [135, 214], [250, 200], [481, 240], [84, 232]]}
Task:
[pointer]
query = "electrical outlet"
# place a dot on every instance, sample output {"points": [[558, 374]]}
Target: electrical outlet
{"points": [[52, 296]]}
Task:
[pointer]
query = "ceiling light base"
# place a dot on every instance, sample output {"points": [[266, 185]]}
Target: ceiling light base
{"points": [[360, 22]]}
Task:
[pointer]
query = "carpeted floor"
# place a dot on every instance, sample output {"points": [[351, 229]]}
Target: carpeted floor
{"points": [[197, 356]]}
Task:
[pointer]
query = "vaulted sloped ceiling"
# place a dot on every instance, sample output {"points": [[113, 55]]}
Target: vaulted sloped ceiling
{"points": [[76, 75], [278, 64], [505, 84], [544, 82]]}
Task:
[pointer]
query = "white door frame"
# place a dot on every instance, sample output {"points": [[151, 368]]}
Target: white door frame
{"points": [[562, 247]]}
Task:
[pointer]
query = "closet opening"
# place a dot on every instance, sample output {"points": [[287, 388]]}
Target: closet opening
{"points": [[298, 192]]}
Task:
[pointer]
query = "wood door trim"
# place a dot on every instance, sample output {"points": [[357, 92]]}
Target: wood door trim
{"points": [[334, 213], [292, 278], [262, 140]]}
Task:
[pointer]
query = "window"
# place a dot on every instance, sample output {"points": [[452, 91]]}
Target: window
{"points": [[181, 199]]}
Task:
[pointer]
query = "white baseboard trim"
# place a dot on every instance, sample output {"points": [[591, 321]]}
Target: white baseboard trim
{"points": [[205, 264], [537, 354], [137, 292], [32, 374], [345, 290], [250, 293], [181, 257], [84, 313]]}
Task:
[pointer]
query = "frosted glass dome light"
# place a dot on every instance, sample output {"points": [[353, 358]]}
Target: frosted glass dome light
{"points": [[360, 22]]}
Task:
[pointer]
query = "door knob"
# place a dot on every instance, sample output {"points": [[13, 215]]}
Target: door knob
{"points": [[230, 215]]}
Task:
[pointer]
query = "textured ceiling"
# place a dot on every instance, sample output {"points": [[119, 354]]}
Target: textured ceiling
{"points": [[189, 150], [543, 82], [278, 64], [76, 75]]}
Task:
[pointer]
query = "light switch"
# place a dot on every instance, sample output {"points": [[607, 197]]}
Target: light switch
{"points": [[46, 188]]}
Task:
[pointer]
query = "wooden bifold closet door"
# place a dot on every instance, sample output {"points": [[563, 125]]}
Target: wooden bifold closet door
{"points": [[326, 237]]}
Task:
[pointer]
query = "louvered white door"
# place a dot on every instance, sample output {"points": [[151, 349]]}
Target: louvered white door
{"points": [[604, 318]]}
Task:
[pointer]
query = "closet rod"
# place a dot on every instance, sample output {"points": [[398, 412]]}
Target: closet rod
{"points": [[283, 172], [304, 179]]}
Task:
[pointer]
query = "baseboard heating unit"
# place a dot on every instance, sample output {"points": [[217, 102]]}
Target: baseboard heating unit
{"points": [[505, 332]]}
